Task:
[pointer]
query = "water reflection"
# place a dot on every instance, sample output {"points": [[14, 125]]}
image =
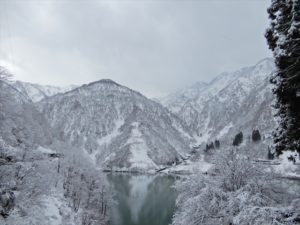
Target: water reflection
{"points": [[142, 199]]}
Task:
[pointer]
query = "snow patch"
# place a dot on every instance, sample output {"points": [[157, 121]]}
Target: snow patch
{"points": [[51, 211], [116, 132], [190, 167], [287, 167], [225, 130], [45, 150], [139, 150]]}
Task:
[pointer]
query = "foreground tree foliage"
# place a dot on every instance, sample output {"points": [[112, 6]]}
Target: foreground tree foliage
{"points": [[236, 193], [283, 37]]}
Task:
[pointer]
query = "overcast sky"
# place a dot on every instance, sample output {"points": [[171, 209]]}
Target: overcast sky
{"points": [[152, 46]]}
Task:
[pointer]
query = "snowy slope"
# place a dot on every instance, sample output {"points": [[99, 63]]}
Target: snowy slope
{"points": [[116, 126], [232, 102], [37, 92], [21, 124]]}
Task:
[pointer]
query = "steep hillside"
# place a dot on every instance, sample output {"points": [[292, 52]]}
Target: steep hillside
{"points": [[21, 124], [117, 126], [232, 102], [40, 176]]}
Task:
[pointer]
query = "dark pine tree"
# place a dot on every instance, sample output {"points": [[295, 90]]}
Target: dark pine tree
{"points": [[256, 135], [209, 146], [270, 154], [217, 144], [238, 139], [206, 148], [283, 38]]}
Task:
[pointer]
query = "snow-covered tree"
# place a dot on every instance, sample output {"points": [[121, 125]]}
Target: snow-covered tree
{"points": [[86, 189], [283, 37], [236, 192]]}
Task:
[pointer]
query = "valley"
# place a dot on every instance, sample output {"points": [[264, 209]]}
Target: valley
{"points": [[105, 145]]}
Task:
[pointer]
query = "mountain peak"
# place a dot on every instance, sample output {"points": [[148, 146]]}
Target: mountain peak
{"points": [[104, 81]]}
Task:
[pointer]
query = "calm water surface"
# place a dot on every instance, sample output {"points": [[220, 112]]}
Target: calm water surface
{"points": [[142, 199]]}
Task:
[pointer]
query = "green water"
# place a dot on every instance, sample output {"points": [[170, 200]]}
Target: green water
{"points": [[142, 199]]}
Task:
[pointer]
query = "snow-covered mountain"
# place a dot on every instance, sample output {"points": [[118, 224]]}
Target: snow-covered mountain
{"points": [[21, 123], [116, 126], [232, 102], [37, 92], [35, 169]]}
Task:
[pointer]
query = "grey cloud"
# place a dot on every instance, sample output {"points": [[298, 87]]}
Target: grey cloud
{"points": [[154, 47]]}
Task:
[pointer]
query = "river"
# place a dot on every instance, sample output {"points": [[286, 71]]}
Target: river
{"points": [[142, 199]]}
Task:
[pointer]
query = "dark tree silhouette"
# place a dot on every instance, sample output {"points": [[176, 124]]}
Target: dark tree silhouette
{"points": [[238, 139], [217, 144], [209, 146], [256, 135], [270, 154], [283, 38]]}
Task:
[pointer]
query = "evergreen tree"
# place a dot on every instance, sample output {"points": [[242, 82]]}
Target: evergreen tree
{"points": [[270, 154], [238, 139], [206, 148], [256, 135], [209, 146], [283, 38], [217, 143]]}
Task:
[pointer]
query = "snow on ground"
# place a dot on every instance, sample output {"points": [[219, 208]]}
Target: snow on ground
{"points": [[288, 167], [179, 128], [139, 151], [51, 211], [206, 135], [107, 139], [203, 139], [45, 150], [189, 167], [225, 130]]}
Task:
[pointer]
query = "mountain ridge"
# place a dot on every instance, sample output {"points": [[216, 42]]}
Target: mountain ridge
{"points": [[220, 106], [115, 125]]}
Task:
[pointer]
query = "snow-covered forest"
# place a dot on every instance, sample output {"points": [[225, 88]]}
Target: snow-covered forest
{"points": [[223, 150]]}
